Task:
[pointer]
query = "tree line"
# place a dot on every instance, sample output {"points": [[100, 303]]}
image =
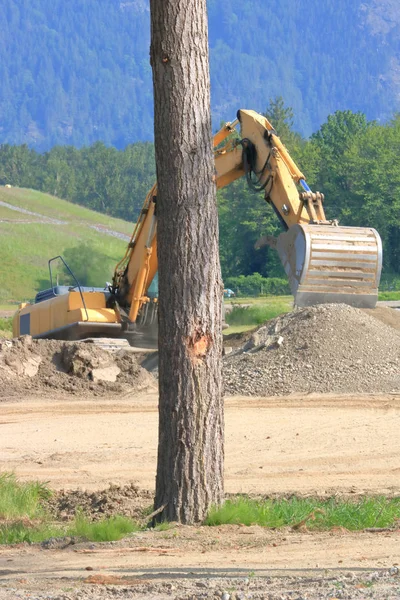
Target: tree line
{"points": [[353, 161]]}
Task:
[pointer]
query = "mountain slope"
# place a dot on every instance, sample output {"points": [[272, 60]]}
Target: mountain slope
{"points": [[34, 227], [79, 72]]}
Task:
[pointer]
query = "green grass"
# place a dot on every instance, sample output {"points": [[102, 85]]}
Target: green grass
{"points": [[19, 499], [258, 299], [316, 514], [6, 327], [23, 518], [107, 530], [19, 532], [26, 247], [387, 296], [50, 206], [258, 313]]}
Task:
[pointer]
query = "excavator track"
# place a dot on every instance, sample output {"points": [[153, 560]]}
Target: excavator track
{"points": [[331, 264]]}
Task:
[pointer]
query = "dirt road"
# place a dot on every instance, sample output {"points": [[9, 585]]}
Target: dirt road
{"points": [[311, 444]]}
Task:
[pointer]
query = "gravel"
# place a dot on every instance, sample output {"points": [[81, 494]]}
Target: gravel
{"points": [[330, 348], [381, 585]]}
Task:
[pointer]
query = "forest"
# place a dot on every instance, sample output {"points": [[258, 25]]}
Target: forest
{"points": [[353, 161], [80, 72]]}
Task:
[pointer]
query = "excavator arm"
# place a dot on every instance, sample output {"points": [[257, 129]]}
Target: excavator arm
{"points": [[324, 262]]}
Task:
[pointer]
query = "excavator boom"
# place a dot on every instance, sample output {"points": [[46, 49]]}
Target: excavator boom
{"points": [[324, 262]]}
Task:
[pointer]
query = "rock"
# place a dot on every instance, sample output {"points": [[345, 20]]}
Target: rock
{"points": [[105, 374], [81, 359], [31, 366]]}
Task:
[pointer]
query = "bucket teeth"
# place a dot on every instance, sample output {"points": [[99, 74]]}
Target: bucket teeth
{"points": [[330, 264]]}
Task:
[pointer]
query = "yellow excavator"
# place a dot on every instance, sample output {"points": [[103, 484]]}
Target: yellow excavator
{"points": [[323, 261]]}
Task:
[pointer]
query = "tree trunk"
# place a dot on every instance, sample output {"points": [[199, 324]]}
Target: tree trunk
{"points": [[191, 424]]}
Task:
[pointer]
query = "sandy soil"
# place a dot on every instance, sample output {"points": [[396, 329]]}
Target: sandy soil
{"points": [[297, 444], [311, 444]]}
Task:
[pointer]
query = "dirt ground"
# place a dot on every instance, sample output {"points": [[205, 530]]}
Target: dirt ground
{"points": [[307, 444], [304, 444]]}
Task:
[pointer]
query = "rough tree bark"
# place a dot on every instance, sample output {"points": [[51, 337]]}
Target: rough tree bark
{"points": [[191, 425]]}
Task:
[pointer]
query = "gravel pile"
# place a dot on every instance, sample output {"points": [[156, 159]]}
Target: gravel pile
{"points": [[37, 366], [327, 348]]}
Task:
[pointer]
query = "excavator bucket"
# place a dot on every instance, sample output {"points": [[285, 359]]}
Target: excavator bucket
{"points": [[330, 264]]}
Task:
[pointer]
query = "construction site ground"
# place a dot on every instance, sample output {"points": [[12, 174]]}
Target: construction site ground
{"points": [[318, 445], [345, 445]]}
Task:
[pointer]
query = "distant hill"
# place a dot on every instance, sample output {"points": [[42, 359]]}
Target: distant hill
{"points": [[35, 227], [75, 72]]}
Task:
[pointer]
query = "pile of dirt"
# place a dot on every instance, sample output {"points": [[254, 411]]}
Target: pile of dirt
{"points": [[71, 367], [127, 500], [330, 348]]}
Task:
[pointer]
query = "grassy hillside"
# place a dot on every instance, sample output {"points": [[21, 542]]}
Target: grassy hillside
{"points": [[29, 240]]}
